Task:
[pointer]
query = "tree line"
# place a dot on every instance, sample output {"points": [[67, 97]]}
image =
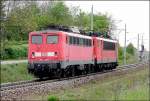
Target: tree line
{"points": [[21, 17], [18, 18]]}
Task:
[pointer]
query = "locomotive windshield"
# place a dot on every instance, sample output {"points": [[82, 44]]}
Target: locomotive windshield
{"points": [[36, 39], [52, 39]]}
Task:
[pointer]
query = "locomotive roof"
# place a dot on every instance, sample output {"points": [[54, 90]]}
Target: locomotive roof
{"points": [[74, 34], [67, 33], [109, 40], [79, 35]]}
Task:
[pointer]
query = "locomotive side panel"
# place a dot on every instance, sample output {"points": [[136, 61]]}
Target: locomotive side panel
{"points": [[109, 52], [78, 50], [105, 50]]}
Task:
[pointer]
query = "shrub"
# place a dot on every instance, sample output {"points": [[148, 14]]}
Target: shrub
{"points": [[130, 49], [14, 52], [52, 98], [120, 53]]}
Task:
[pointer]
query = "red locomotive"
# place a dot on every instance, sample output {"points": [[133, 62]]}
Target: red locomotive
{"points": [[105, 53], [62, 54]]}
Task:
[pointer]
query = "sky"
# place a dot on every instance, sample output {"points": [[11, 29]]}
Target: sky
{"points": [[135, 14]]}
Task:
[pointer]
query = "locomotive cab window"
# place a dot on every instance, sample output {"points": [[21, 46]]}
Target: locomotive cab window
{"points": [[52, 39], [89, 42], [109, 45], [70, 40], [36, 39]]}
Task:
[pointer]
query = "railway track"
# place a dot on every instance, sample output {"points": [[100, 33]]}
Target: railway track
{"points": [[14, 85]]}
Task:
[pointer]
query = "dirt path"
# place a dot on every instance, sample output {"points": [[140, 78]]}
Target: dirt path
{"points": [[13, 61]]}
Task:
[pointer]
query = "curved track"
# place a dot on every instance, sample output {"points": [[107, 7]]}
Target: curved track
{"points": [[14, 85]]}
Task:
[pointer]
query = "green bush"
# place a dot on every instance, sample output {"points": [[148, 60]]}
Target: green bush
{"points": [[14, 52], [10, 43], [52, 98], [120, 53], [129, 54], [130, 49]]}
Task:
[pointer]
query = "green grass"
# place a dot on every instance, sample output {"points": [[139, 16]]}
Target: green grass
{"points": [[140, 92], [122, 88], [53, 98], [14, 72], [129, 59], [132, 86]]}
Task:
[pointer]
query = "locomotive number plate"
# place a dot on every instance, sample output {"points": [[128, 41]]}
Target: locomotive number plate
{"points": [[51, 54]]}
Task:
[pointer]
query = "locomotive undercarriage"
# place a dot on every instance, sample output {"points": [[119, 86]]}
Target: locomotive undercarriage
{"points": [[41, 70]]}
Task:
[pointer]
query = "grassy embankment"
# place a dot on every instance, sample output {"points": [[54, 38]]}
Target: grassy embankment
{"points": [[133, 86], [14, 72]]}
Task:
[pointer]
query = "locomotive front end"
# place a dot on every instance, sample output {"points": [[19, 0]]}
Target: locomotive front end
{"points": [[43, 54]]}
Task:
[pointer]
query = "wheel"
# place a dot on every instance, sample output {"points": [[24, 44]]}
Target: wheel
{"points": [[41, 77], [66, 72], [101, 68], [59, 73], [72, 71], [86, 70], [92, 69]]}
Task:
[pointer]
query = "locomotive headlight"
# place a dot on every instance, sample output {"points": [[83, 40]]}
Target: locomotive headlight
{"points": [[51, 54], [55, 53], [33, 54]]}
